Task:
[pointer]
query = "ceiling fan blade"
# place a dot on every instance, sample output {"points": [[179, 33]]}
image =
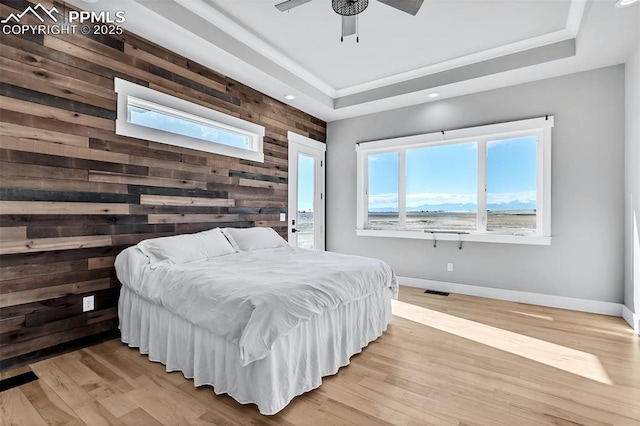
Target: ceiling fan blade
{"points": [[348, 25], [290, 4], [409, 6]]}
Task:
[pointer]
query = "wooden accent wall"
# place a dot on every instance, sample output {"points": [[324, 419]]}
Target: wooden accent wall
{"points": [[73, 194]]}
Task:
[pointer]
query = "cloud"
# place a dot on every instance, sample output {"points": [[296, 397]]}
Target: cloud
{"points": [[415, 200], [509, 197]]}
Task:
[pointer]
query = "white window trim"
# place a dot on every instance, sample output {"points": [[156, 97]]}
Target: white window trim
{"points": [[134, 94], [540, 127]]}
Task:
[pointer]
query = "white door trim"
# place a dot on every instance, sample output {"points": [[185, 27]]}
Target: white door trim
{"points": [[305, 141], [298, 141]]}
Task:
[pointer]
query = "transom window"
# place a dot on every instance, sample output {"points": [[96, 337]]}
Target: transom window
{"points": [[148, 114], [488, 183]]}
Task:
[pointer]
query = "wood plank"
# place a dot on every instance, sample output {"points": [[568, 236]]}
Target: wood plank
{"points": [[26, 107], [188, 218], [30, 333], [9, 129], [15, 408], [31, 58], [62, 185], [94, 159], [101, 262], [59, 149], [39, 172], [66, 91], [179, 69], [12, 324], [210, 178], [62, 80], [20, 297], [11, 194], [13, 233], [22, 271], [95, 176], [103, 315], [29, 283], [51, 244], [33, 50], [263, 184], [48, 404], [163, 200], [45, 207]]}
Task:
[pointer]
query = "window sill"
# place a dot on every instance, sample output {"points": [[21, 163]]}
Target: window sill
{"points": [[471, 237]]}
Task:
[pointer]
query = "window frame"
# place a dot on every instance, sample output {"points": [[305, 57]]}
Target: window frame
{"points": [[144, 97], [540, 127]]}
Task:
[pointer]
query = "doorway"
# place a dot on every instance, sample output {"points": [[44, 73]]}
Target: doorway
{"points": [[306, 217]]}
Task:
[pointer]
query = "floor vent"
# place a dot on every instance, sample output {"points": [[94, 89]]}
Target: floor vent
{"points": [[437, 293], [19, 380]]}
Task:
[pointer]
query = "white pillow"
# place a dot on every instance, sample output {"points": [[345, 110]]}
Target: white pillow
{"points": [[186, 248], [244, 239]]}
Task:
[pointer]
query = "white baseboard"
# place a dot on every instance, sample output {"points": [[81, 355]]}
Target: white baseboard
{"points": [[583, 305], [632, 319]]}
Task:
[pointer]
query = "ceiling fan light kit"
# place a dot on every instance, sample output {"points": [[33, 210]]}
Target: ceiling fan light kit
{"points": [[349, 7]]}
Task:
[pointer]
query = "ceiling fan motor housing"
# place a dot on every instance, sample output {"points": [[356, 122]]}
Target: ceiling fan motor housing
{"points": [[349, 7]]}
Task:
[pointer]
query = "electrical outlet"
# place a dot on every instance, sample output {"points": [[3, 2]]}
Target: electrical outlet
{"points": [[283, 217], [449, 267], [88, 303]]}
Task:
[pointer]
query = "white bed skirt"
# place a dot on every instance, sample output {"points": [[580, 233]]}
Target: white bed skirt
{"points": [[296, 364]]}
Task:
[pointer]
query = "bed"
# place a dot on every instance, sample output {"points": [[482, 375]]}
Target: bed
{"points": [[242, 311]]}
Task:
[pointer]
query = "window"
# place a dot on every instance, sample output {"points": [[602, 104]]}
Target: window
{"points": [[442, 183], [383, 191], [488, 183], [512, 184], [148, 114]]}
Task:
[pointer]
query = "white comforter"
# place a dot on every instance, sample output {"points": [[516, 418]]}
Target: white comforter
{"points": [[253, 298]]}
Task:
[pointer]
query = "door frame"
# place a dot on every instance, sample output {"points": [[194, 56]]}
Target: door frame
{"points": [[299, 143]]}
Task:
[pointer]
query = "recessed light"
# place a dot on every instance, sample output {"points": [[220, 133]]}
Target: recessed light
{"points": [[90, 1], [434, 94], [625, 3], [289, 97]]}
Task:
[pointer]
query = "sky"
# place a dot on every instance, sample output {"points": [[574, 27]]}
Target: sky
{"points": [[180, 126], [447, 174], [305, 182]]}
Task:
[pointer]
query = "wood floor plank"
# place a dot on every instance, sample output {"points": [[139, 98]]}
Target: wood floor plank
{"points": [[50, 406], [95, 414], [139, 417], [66, 388], [16, 410]]}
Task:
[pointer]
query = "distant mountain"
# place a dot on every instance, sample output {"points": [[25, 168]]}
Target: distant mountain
{"points": [[450, 207], [513, 205]]}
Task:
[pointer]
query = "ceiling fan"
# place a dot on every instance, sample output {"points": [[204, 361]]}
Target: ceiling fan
{"points": [[349, 10]]}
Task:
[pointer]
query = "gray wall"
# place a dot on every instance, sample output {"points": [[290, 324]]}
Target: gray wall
{"points": [[586, 257], [632, 183]]}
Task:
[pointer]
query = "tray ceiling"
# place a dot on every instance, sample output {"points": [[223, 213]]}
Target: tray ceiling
{"points": [[453, 47]]}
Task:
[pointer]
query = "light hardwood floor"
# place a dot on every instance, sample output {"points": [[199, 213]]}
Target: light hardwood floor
{"points": [[454, 360]]}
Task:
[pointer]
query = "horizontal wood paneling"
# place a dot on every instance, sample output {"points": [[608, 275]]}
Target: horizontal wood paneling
{"points": [[73, 194]]}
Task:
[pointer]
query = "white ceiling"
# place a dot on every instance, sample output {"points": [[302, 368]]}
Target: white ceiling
{"points": [[453, 47], [391, 41]]}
